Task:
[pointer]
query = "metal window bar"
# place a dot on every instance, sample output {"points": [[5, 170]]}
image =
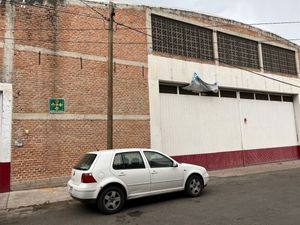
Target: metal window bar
{"points": [[179, 38], [279, 60], [237, 51]]}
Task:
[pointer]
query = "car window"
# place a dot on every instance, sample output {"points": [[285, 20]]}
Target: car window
{"points": [[128, 160], [85, 162], [118, 162], [158, 160]]}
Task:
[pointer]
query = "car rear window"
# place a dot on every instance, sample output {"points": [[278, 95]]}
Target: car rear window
{"points": [[85, 162]]}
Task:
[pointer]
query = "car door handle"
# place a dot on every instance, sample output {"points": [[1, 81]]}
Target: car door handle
{"points": [[122, 174], [154, 172]]}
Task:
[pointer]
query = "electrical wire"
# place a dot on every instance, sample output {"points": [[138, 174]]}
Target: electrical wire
{"points": [[258, 74], [56, 9], [71, 41], [96, 11], [141, 32]]}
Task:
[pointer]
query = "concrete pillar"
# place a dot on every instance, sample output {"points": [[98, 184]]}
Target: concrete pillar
{"points": [[5, 135], [297, 117], [297, 53], [8, 43], [215, 44], [6, 99], [260, 57]]}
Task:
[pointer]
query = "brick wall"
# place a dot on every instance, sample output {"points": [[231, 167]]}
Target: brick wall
{"points": [[51, 146], [2, 27], [78, 29]]}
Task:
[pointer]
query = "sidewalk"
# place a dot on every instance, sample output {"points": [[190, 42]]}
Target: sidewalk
{"points": [[19, 199]]}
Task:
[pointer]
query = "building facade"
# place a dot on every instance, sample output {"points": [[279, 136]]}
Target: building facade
{"points": [[59, 53]]}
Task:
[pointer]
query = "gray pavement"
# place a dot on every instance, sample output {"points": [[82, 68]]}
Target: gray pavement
{"points": [[269, 198], [29, 198]]}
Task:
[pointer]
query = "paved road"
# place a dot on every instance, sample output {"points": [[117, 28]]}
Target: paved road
{"points": [[261, 199]]}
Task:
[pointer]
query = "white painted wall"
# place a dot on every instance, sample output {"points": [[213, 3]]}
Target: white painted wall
{"points": [[174, 70], [269, 124], [6, 122], [196, 124]]}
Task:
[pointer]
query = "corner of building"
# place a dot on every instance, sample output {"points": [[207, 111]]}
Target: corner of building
{"points": [[5, 135]]}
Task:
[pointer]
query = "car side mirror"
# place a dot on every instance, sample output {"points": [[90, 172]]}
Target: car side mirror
{"points": [[175, 164]]}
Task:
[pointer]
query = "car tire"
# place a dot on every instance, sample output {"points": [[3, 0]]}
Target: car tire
{"points": [[194, 186], [111, 200]]}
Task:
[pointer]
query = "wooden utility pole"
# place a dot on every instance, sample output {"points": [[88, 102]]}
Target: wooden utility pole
{"points": [[110, 78]]}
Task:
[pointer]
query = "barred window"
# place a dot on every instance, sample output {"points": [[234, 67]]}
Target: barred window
{"points": [[179, 38], [237, 51], [278, 59]]}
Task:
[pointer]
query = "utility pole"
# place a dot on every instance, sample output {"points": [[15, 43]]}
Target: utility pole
{"points": [[110, 78]]}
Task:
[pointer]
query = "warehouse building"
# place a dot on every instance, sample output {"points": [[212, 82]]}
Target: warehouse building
{"points": [[54, 86]]}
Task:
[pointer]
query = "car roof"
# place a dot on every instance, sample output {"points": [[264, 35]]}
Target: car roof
{"points": [[111, 151]]}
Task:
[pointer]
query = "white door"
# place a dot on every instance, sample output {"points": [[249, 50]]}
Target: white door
{"points": [[131, 169], [267, 124], [164, 175], [199, 124]]}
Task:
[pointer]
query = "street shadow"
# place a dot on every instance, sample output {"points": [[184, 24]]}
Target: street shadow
{"points": [[152, 200], [145, 201]]}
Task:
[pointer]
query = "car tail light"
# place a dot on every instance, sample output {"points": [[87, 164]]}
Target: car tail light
{"points": [[87, 178]]}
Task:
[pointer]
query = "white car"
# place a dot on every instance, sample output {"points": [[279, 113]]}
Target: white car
{"points": [[112, 176]]}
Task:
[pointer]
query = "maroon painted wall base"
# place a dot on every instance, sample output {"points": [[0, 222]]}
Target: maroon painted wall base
{"points": [[223, 160], [4, 177]]}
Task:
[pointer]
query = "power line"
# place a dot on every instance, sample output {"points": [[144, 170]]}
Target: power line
{"points": [[229, 25], [258, 74], [96, 11], [96, 42], [55, 9], [274, 23], [143, 28], [138, 31], [60, 29], [141, 32], [71, 41]]}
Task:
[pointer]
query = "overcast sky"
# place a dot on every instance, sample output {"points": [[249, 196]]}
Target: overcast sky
{"points": [[247, 11]]}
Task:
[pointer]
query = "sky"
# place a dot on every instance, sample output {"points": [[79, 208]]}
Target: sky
{"points": [[246, 11]]}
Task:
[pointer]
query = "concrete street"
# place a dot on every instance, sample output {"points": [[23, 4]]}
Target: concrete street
{"points": [[269, 198]]}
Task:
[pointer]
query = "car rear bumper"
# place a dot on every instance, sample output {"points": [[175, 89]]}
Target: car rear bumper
{"points": [[82, 192]]}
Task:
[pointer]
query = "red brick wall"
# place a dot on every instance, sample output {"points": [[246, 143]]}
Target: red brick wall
{"points": [[55, 29], [1, 60], [51, 147], [2, 27]]}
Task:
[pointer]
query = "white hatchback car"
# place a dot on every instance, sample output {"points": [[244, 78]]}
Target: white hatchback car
{"points": [[112, 176]]}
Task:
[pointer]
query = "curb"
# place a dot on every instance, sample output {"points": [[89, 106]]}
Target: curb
{"points": [[28, 200]]}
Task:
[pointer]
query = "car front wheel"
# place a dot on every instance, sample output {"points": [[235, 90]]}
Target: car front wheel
{"points": [[111, 200], [194, 186]]}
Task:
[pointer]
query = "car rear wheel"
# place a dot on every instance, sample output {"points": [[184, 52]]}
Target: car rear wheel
{"points": [[111, 200], [194, 186]]}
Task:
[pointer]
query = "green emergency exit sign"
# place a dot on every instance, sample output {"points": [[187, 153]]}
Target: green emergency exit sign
{"points": [[56, 105]]}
